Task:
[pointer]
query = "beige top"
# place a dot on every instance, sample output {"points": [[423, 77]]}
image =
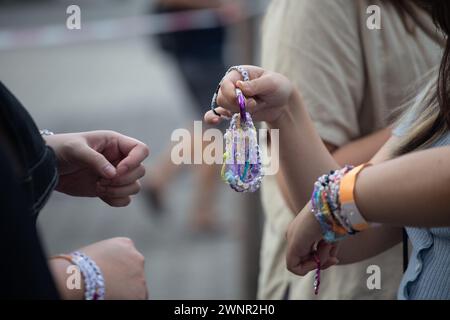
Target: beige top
{"points": [[351, 78]]}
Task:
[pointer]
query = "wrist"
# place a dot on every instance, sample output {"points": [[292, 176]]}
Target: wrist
{"points": [[286, 117], [53, 141], [313, 225], [61, 272]]}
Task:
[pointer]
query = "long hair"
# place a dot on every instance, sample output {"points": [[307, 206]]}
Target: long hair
{"points": [[433, 110]]}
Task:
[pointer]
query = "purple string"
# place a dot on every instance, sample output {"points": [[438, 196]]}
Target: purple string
{"points": [[317, 275], [241, 102]]}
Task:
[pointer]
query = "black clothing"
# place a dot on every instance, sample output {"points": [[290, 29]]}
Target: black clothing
{"points": [[28, 175]]}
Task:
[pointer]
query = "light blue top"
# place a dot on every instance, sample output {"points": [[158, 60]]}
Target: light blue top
{"points": [[428, 272]]}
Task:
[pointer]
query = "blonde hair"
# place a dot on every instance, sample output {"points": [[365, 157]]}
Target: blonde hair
{"points": [[424, 122]]}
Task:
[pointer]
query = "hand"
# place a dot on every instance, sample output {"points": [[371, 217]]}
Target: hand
{"points": [[303, 234], [122, 267], [267, 93], [102, 164]]}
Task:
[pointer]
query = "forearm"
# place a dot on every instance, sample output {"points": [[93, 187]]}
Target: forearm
{"points": [[59, 269], [354, 153], [367, 244], [302, 153], [408, 191], [361, 150]]}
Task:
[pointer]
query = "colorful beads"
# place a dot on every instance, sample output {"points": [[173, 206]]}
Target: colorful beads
{"points": [[326, 207], [94, 282], [317, 274], [242, 168], [242, 163]]}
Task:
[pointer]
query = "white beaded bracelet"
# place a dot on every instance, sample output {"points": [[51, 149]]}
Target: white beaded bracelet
{"points": [[93, 277], [46, 132]]}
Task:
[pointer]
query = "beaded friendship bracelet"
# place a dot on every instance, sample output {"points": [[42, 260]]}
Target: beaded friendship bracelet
{"points": [[94, 282], [333, 206], [46, 132], [317, 275], [93, 277], [242, 168], [332, 203], [242, 163], [326, 206]]}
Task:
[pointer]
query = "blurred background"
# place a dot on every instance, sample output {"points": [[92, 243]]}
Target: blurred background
{"points": [[143, 68]]}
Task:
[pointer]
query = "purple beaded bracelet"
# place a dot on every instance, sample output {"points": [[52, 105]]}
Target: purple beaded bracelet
{"points": [[242, 168]]}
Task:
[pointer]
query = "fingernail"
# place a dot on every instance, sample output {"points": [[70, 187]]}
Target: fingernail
{"points": [[110, 170]]}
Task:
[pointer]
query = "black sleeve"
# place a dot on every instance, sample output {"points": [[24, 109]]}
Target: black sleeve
{"points": [[23, 265]]}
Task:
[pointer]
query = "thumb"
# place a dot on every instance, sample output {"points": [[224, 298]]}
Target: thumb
{"points": [[96, 161], [255, 87]]}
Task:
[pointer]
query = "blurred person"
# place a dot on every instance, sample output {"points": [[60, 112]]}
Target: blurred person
{"points": [[200, 60], [101, 164], [351, 79]]}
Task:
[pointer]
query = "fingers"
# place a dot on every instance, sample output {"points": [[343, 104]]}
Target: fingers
{"points": [[256, 87], [135, 152], [299, 263], [323, 251], [125, 179], [334, 250], [117, 202], [227, 96], [303, 268], [331, 262], [254, 72], [213, 119], [116, 192], [83, 153], [293, 262], [119, 192], [228, 100], [303, 265]]}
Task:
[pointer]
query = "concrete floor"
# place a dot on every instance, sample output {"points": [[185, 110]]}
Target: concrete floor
{"points": [[131, 87]]}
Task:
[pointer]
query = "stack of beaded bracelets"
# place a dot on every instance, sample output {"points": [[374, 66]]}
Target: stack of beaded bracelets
{"points": [[94, 282], [242, 164], [242, 168], [326, 206]]}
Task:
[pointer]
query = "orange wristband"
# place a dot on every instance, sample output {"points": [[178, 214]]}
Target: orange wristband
{"points": [[347, 199]]}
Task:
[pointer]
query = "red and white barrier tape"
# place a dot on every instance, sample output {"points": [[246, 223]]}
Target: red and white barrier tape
{"points": [[151, 24]]}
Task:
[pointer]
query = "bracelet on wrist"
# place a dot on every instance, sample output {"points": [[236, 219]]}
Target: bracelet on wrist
{"points": [[94, 283], [46, 132], [333, 204]]}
